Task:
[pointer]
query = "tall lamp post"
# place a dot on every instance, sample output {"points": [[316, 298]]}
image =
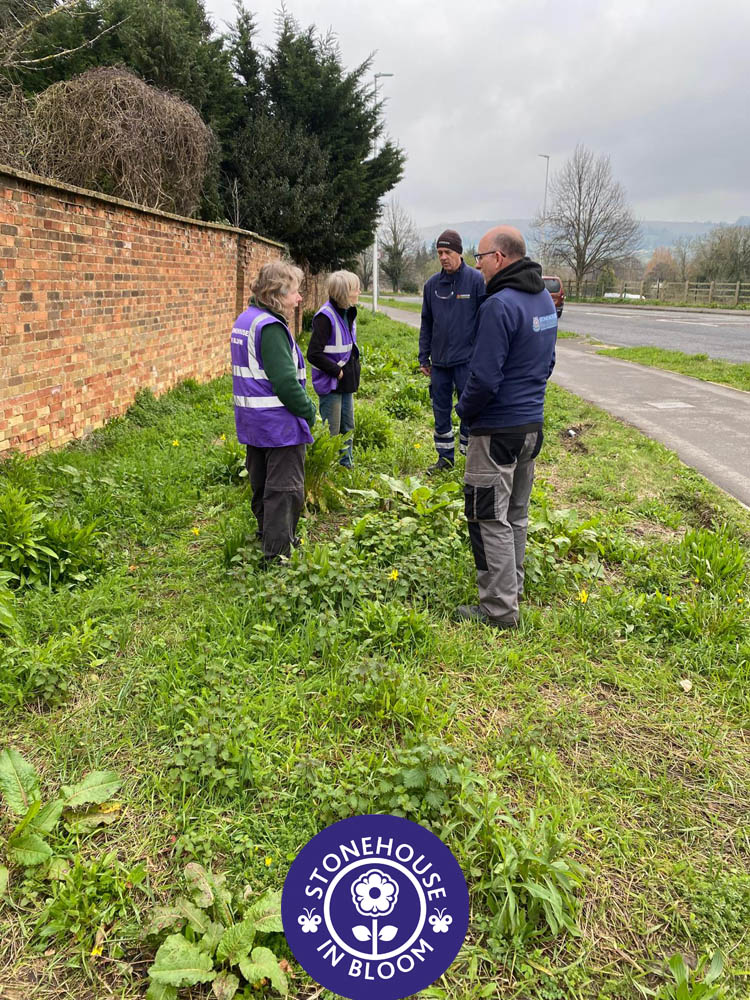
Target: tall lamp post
{"points": [[544, 156], [377, 76]]}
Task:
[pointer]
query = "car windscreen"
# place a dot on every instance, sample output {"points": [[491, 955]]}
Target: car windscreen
{"points": [[552, 284]]}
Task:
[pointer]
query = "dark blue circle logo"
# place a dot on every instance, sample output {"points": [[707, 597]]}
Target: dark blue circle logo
{"points": [[375, 908]]}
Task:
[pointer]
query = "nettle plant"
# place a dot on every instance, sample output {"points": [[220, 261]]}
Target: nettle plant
{"points": [[213, 940]]}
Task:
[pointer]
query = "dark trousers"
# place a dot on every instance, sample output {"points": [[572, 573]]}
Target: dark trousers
{"points": [[442, 381], [277, 479]]}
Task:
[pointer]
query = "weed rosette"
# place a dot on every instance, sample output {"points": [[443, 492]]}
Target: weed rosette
{"points": [[375, 907]]}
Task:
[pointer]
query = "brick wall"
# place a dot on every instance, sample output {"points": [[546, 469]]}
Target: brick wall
{"points": [[99, 298]]}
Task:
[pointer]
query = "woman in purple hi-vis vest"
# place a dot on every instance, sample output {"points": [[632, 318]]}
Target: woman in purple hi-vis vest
{"points": [[272, 411], [334, 357]]}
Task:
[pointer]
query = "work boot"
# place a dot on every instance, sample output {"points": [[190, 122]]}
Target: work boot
{"points": [[473, 613], [442, 465]]}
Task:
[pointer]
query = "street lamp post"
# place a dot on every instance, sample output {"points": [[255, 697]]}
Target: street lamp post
{"points": [[377, 76], [544, 156]]}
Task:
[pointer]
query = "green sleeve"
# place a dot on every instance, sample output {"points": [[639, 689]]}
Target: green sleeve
{"points": [[281, 371]]}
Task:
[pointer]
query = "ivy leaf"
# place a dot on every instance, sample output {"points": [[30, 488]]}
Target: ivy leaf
{"points": [[262, 964], [180, 963], [266, 913], [236, 942], [225, 986], [99, 786], [28, 850], [19, 782]]}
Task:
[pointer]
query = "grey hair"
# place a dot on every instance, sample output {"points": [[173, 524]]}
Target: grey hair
{"points": [[342, 285], [275, 281]]}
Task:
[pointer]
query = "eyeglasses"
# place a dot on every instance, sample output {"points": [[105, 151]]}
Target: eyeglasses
{"points": [[486, 253]]}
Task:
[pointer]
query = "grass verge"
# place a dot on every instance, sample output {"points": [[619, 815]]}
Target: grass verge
{"points": [[696, 365], [243, 709]]}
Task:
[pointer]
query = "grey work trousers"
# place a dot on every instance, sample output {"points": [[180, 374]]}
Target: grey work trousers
{"points": [[277, 479], [497, 486]]}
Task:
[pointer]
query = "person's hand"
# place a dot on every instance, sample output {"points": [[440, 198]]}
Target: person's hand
{"points": [[340, 374], [426, 370]]}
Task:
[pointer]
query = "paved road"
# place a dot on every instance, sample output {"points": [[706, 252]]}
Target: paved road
{"points": [[707, 425], [720, 335]]}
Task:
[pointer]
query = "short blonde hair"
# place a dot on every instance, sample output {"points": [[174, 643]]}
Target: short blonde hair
{"points": [[342, 285], [275, 281]]}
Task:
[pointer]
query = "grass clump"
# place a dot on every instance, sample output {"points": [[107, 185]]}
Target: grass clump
{"points": [[735, 375]]}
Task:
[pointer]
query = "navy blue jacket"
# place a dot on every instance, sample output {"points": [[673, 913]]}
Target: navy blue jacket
{"points": [[514, 353], [449, 316]]}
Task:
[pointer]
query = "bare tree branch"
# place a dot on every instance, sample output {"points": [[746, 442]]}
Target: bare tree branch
{"points": [[589, 223], [13, 41]]}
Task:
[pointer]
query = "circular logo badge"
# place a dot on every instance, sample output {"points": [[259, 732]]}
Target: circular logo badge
{"points": [[375, 908]]}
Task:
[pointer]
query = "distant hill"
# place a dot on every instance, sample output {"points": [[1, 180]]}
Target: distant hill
{"points": [[656, 233]]}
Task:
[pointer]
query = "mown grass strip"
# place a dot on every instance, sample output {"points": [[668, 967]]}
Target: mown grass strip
{"points": [[735, 375], [244, 709]]}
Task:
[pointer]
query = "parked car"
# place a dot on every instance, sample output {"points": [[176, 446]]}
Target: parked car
{"points": [[555, 287]]}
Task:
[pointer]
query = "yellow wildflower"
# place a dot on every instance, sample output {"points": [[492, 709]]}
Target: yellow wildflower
{"points": [[583, 595], [269, 862], [96, 951], [417, 445], [196, 531], [223, 437], [175, 443], [394, 574], [668, 598]]}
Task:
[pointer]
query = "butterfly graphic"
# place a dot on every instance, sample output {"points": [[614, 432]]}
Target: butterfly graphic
{"points": [[309, 921], [440, 921]]}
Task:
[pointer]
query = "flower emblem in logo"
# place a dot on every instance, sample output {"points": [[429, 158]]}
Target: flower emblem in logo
{"points": [[440, 921], [309, 921], [374, 894]]}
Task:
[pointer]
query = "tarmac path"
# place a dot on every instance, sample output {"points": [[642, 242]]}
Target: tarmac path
{"points": [[723, 335], [707, 425]]}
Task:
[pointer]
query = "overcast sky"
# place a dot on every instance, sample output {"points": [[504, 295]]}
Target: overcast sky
{"points": [[480, 88]]}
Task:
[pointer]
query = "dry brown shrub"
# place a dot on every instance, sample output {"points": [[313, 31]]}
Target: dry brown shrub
{"points": [[17, 136], [108, 131]]}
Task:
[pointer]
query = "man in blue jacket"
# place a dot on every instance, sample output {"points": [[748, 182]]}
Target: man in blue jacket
{"points": [[449, 313], [503, 405]]}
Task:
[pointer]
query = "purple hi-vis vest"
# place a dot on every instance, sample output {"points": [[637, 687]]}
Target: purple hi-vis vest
{"points": [[261, 418], [339, 347]]}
